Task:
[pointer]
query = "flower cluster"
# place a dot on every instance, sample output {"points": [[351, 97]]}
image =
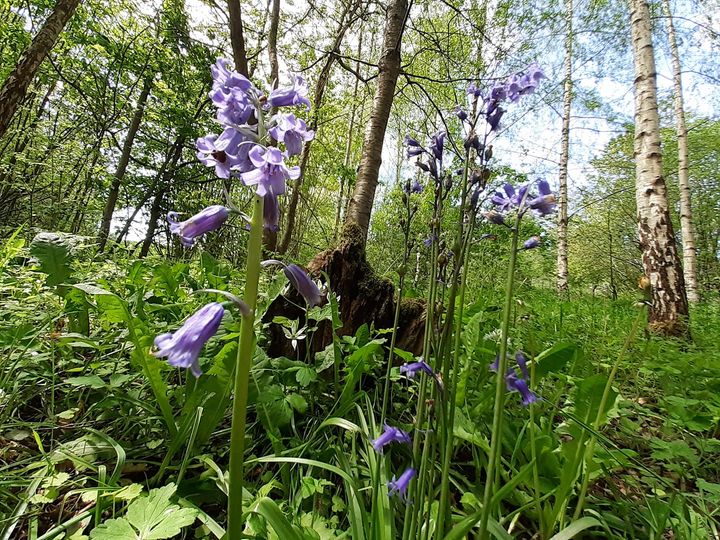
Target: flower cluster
{"points": [[243, 149], [487, 104], [509, 198], [433, 154], [517, 382], [522, 199]]}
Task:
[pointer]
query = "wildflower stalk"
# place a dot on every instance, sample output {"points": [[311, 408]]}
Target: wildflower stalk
{"points": [[448, 403], [401, 283], [590, 451], [496, 434], [533, 453], [393, 340], [246, 346], [411, 518]]}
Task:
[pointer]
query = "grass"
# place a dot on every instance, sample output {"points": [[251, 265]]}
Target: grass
{"points": [[81, 437]]}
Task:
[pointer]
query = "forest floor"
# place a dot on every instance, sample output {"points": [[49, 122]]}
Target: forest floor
{"points": [[78, 421]]}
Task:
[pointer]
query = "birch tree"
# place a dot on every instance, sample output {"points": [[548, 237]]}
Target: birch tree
{"points": [[562, 250], [686, 220], [661, 263]]}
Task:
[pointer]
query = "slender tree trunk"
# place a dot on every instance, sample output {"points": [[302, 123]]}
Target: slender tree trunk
{"points": [[124, 160], [272, 43], [163, 188], [687, 228], [562, 250], [348, 143], [237, 36], [363, 197], [15, 86], [346, 20], [669, 310]]}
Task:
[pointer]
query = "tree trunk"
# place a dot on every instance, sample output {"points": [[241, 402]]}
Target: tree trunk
{"points": [[237, 37], [562, 250], [364, 297], [367, 179], [669, 309], [165, 182], [348, 144], [346, 19], [686, 221], [124, 160], [15, 86]]}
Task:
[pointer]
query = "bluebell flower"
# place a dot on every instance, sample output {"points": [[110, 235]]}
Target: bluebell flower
{"points": [[412, 368], [520, 385], [292, 131], [222, 152], [270, 173], [207, 220], [400, 486], [414, 148], [494, 217], [460, 113], [522, 364], [515, 383], [303, 284], [544, 203], [437, 143], [531, 243], [183, 347], [290, 96], [390, 434], [300, 281]]}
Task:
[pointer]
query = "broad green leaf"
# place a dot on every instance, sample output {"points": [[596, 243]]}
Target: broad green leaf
{"points": [[53, 253], [555, 358], [148, 518], [305, 375], [114, 529], [297, 402], [91, 381]]}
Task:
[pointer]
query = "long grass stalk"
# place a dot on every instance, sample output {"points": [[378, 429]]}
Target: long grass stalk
{"points": [[496, 434]]}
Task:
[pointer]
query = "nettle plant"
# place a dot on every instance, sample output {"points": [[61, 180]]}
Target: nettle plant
{"points": [[253, 148]]}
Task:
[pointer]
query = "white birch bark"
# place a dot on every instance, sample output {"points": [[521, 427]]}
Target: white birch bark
{"points": [[562, 250], [661, 263], [687, 228]]}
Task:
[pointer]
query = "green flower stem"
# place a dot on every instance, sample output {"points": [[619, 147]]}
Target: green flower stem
{"points": [[496, 435], [393, 339], [246, 346], [448, 409], [411, 518], [598, 418], [533, 453]]}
